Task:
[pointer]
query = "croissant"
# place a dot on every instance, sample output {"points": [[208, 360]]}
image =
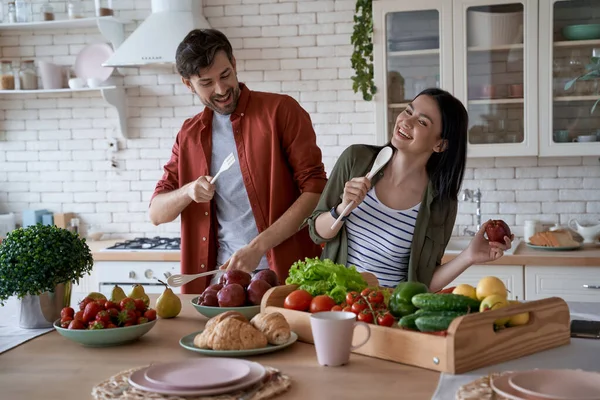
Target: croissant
{"points": [[232, 334], [201, 340], [274, 326]]}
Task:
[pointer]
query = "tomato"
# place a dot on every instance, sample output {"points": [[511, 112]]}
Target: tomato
{"points": [[321, 303], [337, 308], [67, 312], [359, 306], [366, 316], [91, 309], [447, 290], [385, 319], [298, 300], [347, 309], [351, 297], [76, 324], [150, 314], [365, 292], [375, 297], [78, 315], [127, 304], [140, 305]]}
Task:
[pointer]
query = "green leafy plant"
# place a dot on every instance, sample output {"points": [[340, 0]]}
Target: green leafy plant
{"points": [[593, 72], [36, 259], [362, 57]]}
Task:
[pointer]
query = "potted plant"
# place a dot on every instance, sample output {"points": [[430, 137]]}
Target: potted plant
{"points": [[38, 265], [593, 73]]}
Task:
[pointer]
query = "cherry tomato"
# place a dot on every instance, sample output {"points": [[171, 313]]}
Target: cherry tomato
{"points": [[366, 316], [321, 303], [359, 306], [447, 290], [348, 309], [67, 312], [365, 292], [298, 300], [375, 297], [385, 319], [351, 297], [337, 308]]}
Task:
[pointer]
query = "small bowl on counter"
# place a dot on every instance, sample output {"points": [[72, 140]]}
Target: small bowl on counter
{"points": [[209, 312], [105, 337]]}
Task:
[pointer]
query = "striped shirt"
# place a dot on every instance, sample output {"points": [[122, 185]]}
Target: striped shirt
{"points": [[379, 239]]}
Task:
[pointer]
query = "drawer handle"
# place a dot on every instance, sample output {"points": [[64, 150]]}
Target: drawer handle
{"points": [[591, 286]]}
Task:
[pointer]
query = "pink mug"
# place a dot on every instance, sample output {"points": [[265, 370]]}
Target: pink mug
{"points": [[332, 333]]}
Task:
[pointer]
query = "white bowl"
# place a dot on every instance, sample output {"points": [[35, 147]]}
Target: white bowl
{"points": [[76, 83]]}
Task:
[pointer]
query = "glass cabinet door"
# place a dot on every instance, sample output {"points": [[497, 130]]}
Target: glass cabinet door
{"points": [[495, 75], [573, 30], [407, 56]]}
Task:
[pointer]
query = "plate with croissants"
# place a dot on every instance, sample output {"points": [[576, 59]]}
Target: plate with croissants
{"points": [[558, 240], [231, 334]]}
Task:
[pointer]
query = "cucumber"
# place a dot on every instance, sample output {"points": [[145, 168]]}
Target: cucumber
{"points": [[433, 323], [445, 302], [408, 321]]}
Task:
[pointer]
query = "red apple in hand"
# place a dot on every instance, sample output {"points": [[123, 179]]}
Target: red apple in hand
{"points": [[496, 229]]}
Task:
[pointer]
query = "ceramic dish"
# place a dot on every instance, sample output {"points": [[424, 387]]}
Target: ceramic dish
{"points": [[187, 342], [548, 248], [558, 384], [88, 64], [138, 380], [202, 373], [581, 32], [500, 385], [105, 337], [248, 312]]}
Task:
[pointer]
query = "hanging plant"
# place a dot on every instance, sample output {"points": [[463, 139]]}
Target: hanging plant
{"points": [[362, 57]]}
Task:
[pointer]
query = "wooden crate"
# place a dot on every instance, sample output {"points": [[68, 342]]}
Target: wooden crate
{"points": [[470, 343]]}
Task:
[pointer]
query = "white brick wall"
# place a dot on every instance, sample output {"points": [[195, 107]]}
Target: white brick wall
{"points": [[53, 149]]}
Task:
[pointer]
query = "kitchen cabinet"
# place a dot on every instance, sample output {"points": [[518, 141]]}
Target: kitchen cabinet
{"points": [[565, 282], [511, 275], [497, 57], [110, 28]]}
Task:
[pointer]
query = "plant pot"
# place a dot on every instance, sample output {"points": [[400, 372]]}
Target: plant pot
{"points": [[41, 311]]}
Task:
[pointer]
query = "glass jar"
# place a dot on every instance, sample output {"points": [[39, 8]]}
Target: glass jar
{"points": [[28, 76], [75, 9], [104, 8], [11, 13], [47, 12], [23, 11], [7, 77]]}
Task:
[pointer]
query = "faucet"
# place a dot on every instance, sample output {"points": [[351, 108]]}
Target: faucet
{"points": [[474, 197]]}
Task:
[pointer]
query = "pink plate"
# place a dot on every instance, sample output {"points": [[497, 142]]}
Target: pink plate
{"points": [[88, 63], [139, 381], [202, 373], [501, 386], [558, 384]]}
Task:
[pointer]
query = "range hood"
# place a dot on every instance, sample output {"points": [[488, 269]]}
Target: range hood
{"points": [[155, 41]]}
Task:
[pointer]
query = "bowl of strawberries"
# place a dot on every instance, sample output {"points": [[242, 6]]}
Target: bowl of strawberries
{"points": [[102, 323]]}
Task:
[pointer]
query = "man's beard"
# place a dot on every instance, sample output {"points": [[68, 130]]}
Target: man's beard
{"points": [[225, 109]]}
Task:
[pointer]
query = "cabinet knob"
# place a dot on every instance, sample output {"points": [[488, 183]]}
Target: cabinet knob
{"points": [[131, 274], [167, 274], [148, 274], [591, 286]]}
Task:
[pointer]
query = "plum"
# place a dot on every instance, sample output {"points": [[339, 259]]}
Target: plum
{"points": [[268, 276], [232, 295], [256, 290], [210, 299], [237, 276]]}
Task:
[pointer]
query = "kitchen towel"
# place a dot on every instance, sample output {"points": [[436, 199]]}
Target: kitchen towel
{"points": [[10, 333], [580, 354]]}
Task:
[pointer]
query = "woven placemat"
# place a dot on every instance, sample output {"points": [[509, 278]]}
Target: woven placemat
{"points": [[117, 388], [480, 389]]}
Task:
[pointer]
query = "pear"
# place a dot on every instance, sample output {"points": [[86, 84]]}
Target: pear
{"points": [[138, 293], [117, 294], [96, 296], [168, 305]]}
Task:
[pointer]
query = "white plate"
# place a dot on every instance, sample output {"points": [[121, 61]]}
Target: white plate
{"points": [[88, 63], [558, 384], [139, 381], [501, 386], [200, 373]]}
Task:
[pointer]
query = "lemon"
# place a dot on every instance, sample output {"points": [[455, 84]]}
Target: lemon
{"points": [[490, 285], [465, 290], [495, 302], [519, 319]]}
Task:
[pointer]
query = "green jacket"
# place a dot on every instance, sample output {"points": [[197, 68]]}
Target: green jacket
{"points": [[433, 226]]}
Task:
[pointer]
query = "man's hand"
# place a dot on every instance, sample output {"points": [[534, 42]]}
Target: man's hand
{"points": [[201, 190], [246, 259]]}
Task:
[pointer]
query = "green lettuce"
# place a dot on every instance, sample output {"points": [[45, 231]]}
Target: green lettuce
{"points": [[318, 277]]}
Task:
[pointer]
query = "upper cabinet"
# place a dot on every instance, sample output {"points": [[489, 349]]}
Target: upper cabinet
{"points": [[569, 41], [497, 57]]}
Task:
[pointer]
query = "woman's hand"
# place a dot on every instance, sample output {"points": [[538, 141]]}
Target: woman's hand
{"points": [[481, 250], [355, 191]]}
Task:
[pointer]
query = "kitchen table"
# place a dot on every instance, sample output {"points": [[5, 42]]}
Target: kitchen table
{"points": [[53, 367]]}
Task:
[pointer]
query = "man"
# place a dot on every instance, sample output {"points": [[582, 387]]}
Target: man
{"points": [[249, 217]]}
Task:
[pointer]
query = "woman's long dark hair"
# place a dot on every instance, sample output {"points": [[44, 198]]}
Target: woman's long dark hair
{"points": [[446, 169]]}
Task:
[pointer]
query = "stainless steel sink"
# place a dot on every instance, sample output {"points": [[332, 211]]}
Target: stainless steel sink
{"points": [[458, 244]]}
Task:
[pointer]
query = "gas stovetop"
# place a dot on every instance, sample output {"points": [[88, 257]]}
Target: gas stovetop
{"points": [[155, 244]]}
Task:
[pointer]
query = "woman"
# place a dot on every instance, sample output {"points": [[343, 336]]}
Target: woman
{"points": [[402, 219]]}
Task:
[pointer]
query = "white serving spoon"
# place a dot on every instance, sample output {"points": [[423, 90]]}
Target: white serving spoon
{"points": [[181, 279], [383, 157]]}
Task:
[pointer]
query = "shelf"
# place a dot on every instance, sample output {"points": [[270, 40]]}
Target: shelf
{"points": [[577, 43], [413, 52], [577, 98], [496, 101], [60, 24], [113, 95], [398, 105], [517, 46]]}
